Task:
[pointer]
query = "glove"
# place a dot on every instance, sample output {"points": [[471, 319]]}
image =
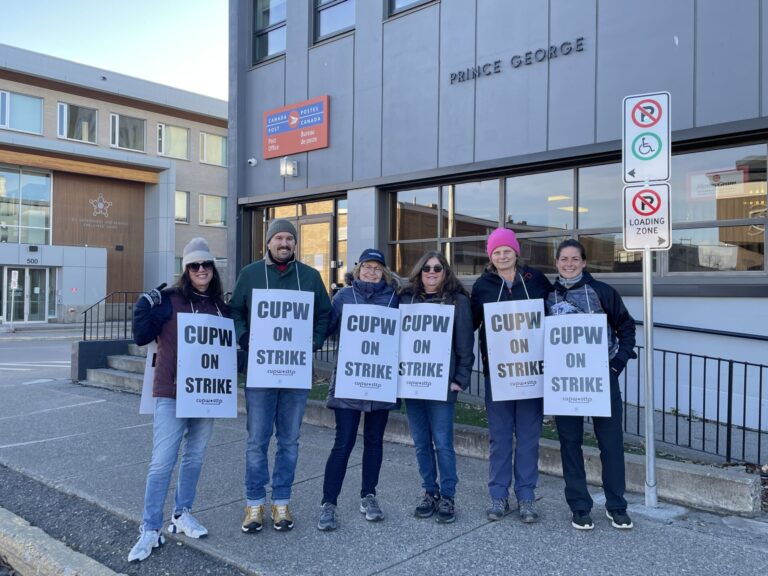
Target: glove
{"points": [[244, 339], [617, 365], [154, 297]]}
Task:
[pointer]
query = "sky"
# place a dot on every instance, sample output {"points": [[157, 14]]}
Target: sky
{"points": [[180, 43]]}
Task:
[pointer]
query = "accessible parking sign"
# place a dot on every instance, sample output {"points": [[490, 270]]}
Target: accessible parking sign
{"points": [[646, 151]]}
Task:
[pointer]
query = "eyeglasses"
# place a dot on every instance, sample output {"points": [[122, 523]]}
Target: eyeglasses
{"points": [[372, 268], [195, 266], [436, 269]]}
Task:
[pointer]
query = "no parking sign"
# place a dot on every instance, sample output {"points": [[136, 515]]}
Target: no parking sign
{"points": [[646, 155], [646, 217]]}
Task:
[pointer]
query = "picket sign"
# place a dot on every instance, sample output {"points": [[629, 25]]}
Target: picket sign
{"points": [[147, 404]]}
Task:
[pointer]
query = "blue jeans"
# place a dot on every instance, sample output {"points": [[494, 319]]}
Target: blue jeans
{"points": [[347, 422], [278, 411], [167, 434], [431, 424], [610, 439], [514, 427]]}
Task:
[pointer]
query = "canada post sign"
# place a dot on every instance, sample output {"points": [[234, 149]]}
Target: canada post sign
{"points": [[296, 128]]}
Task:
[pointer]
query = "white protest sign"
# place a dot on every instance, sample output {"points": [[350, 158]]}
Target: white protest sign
{"points": [[514, 331], [426, 337], [147, 404], [366, 365], [206, 367], [280, 344], [577, 381]]}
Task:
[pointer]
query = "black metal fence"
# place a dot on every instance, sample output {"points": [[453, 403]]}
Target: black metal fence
{"points": [[110, 318]]}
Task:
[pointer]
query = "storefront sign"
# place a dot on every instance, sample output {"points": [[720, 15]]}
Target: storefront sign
{"points": [[295, 128]]}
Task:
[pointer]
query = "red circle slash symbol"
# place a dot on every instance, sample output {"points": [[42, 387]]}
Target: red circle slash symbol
{"points": [[646, 113], [646, 202]]}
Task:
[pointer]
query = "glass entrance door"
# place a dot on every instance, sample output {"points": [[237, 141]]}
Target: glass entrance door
{"points": [[315, 247], [14, 294], [26, 302], [37, 289]]}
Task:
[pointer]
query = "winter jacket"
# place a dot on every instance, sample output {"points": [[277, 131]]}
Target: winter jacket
{"points": [[463, 344], [379, 293], [529, 284], [590, 296], [150, 322]]}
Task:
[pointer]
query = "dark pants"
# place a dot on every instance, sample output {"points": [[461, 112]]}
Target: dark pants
{"points": [[347, 422], [610, 440]]}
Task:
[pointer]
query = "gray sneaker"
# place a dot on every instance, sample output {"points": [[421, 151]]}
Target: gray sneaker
{"points": [[327, 520], [498, 509], [528, 513], [370, 507], [148, 539]]}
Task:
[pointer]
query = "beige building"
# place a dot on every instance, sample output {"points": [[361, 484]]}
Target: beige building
{"points": [[103, 180]]}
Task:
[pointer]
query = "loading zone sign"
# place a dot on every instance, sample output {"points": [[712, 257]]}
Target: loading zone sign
{"points": [[646, 151], [646, 217]]}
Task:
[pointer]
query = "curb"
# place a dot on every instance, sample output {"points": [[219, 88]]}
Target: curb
{"points": [[33, 552]]}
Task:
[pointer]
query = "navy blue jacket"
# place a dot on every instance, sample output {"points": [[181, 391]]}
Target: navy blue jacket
{"points": [[380, 294], [462, 348]]}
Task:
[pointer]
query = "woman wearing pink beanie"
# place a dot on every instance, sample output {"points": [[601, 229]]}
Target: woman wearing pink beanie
{"points": [[514, 426]]}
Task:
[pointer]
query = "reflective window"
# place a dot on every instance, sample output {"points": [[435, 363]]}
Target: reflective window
{"points": [[396, 6], [537, 202], [77, 123], [288, 211], [332, 16], [415, 214], [322, 207], [467, 258], [470, 209], [724, 249], [173, 141], [182, 207], [601, 190], [213, 149], [605, 253], [25, 206], [269, 28], [21, 112], [127, 132], [213, 210], [406, 255]]}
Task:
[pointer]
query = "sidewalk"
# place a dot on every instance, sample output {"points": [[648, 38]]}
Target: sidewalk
{"points": [[93, 444]]}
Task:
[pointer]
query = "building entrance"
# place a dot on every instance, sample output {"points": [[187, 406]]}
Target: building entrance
{"points": [[25, 293]]}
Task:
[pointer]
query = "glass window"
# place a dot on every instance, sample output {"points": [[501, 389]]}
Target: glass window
{"points": [[173, 141], [25, 200], [77, 123], [322, 207], [601, 191], [213, 149], [35, 200], [213, 210], [470, 209], [269, 28], [21, 112], [724, 249], [341, 241], [538, 202], [407, 254], [396, 6], [182, 207], [723, 184], [415, 214], [288, 211], [605, 253], [10, 195], [332, 16], [127, 132], [467, 258]]}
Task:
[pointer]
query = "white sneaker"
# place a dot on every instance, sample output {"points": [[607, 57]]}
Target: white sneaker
{"points": [[148, 539], [187, 524]]}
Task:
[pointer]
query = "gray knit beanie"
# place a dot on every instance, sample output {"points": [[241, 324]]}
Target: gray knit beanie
{"points": [[196, 251], [281, 225]]}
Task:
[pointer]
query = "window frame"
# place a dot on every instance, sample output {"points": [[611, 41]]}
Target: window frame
{"points": [[62, 121], [162, 138], [319, 7], [393, 11], [186, 210], [203, 156], [114, 132], [265, 31], [6, 110], [201, 211]]}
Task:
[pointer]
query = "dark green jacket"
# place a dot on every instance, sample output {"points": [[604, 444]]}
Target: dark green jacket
{"points": [[265, 274]]}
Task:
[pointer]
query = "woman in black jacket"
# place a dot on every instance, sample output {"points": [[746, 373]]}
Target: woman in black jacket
{"points": [[577, 292], [431, 421], [514, 426]]}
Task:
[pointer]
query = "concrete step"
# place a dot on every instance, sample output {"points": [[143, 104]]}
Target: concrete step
{"points": [[127, 363], [135, 350], [114, 379]]}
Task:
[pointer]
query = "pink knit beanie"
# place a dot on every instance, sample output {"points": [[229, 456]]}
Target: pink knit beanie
{"points": [[502, 237]]}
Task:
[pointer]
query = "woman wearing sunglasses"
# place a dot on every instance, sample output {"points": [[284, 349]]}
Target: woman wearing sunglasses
{"points": [[431, 421], [373, 283], [197, 291], [514, 426]]}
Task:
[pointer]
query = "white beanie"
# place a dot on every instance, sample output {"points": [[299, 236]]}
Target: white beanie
{"points": [[196, 251]]}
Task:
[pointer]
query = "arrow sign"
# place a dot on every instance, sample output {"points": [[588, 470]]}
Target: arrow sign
{"points": [[647, 221]]}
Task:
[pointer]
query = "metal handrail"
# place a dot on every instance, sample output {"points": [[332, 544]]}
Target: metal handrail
{"points": [[111, 317]]}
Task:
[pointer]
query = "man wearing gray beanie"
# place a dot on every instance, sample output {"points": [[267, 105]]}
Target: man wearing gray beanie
{"points": [[275, 410]]}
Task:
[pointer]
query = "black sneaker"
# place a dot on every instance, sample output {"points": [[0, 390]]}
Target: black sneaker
{"points": [[427, 506], [582, 521], [619, 519], [446, 512]]}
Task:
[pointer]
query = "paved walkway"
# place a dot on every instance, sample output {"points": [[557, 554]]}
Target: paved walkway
{"points": [[93, 448]]}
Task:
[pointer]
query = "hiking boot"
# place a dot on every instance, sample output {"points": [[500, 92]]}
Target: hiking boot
{"points": [[327, 517], [446, 512], [148, 539], [187, 524], [619, 519], [254, 519], [370, 507], [281, 517], [528, 513], [582, 521], [427, 506], [498, 509]]}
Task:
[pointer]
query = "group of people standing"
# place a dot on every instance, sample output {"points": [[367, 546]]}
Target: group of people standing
{"points": [[514, 425]]}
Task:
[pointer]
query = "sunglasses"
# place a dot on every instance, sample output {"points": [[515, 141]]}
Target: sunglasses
{"points": [[436, 269], [376, 269], [195, 266]]}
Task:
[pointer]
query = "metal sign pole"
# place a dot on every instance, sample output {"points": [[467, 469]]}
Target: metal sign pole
{"points": [[650, 439]]}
